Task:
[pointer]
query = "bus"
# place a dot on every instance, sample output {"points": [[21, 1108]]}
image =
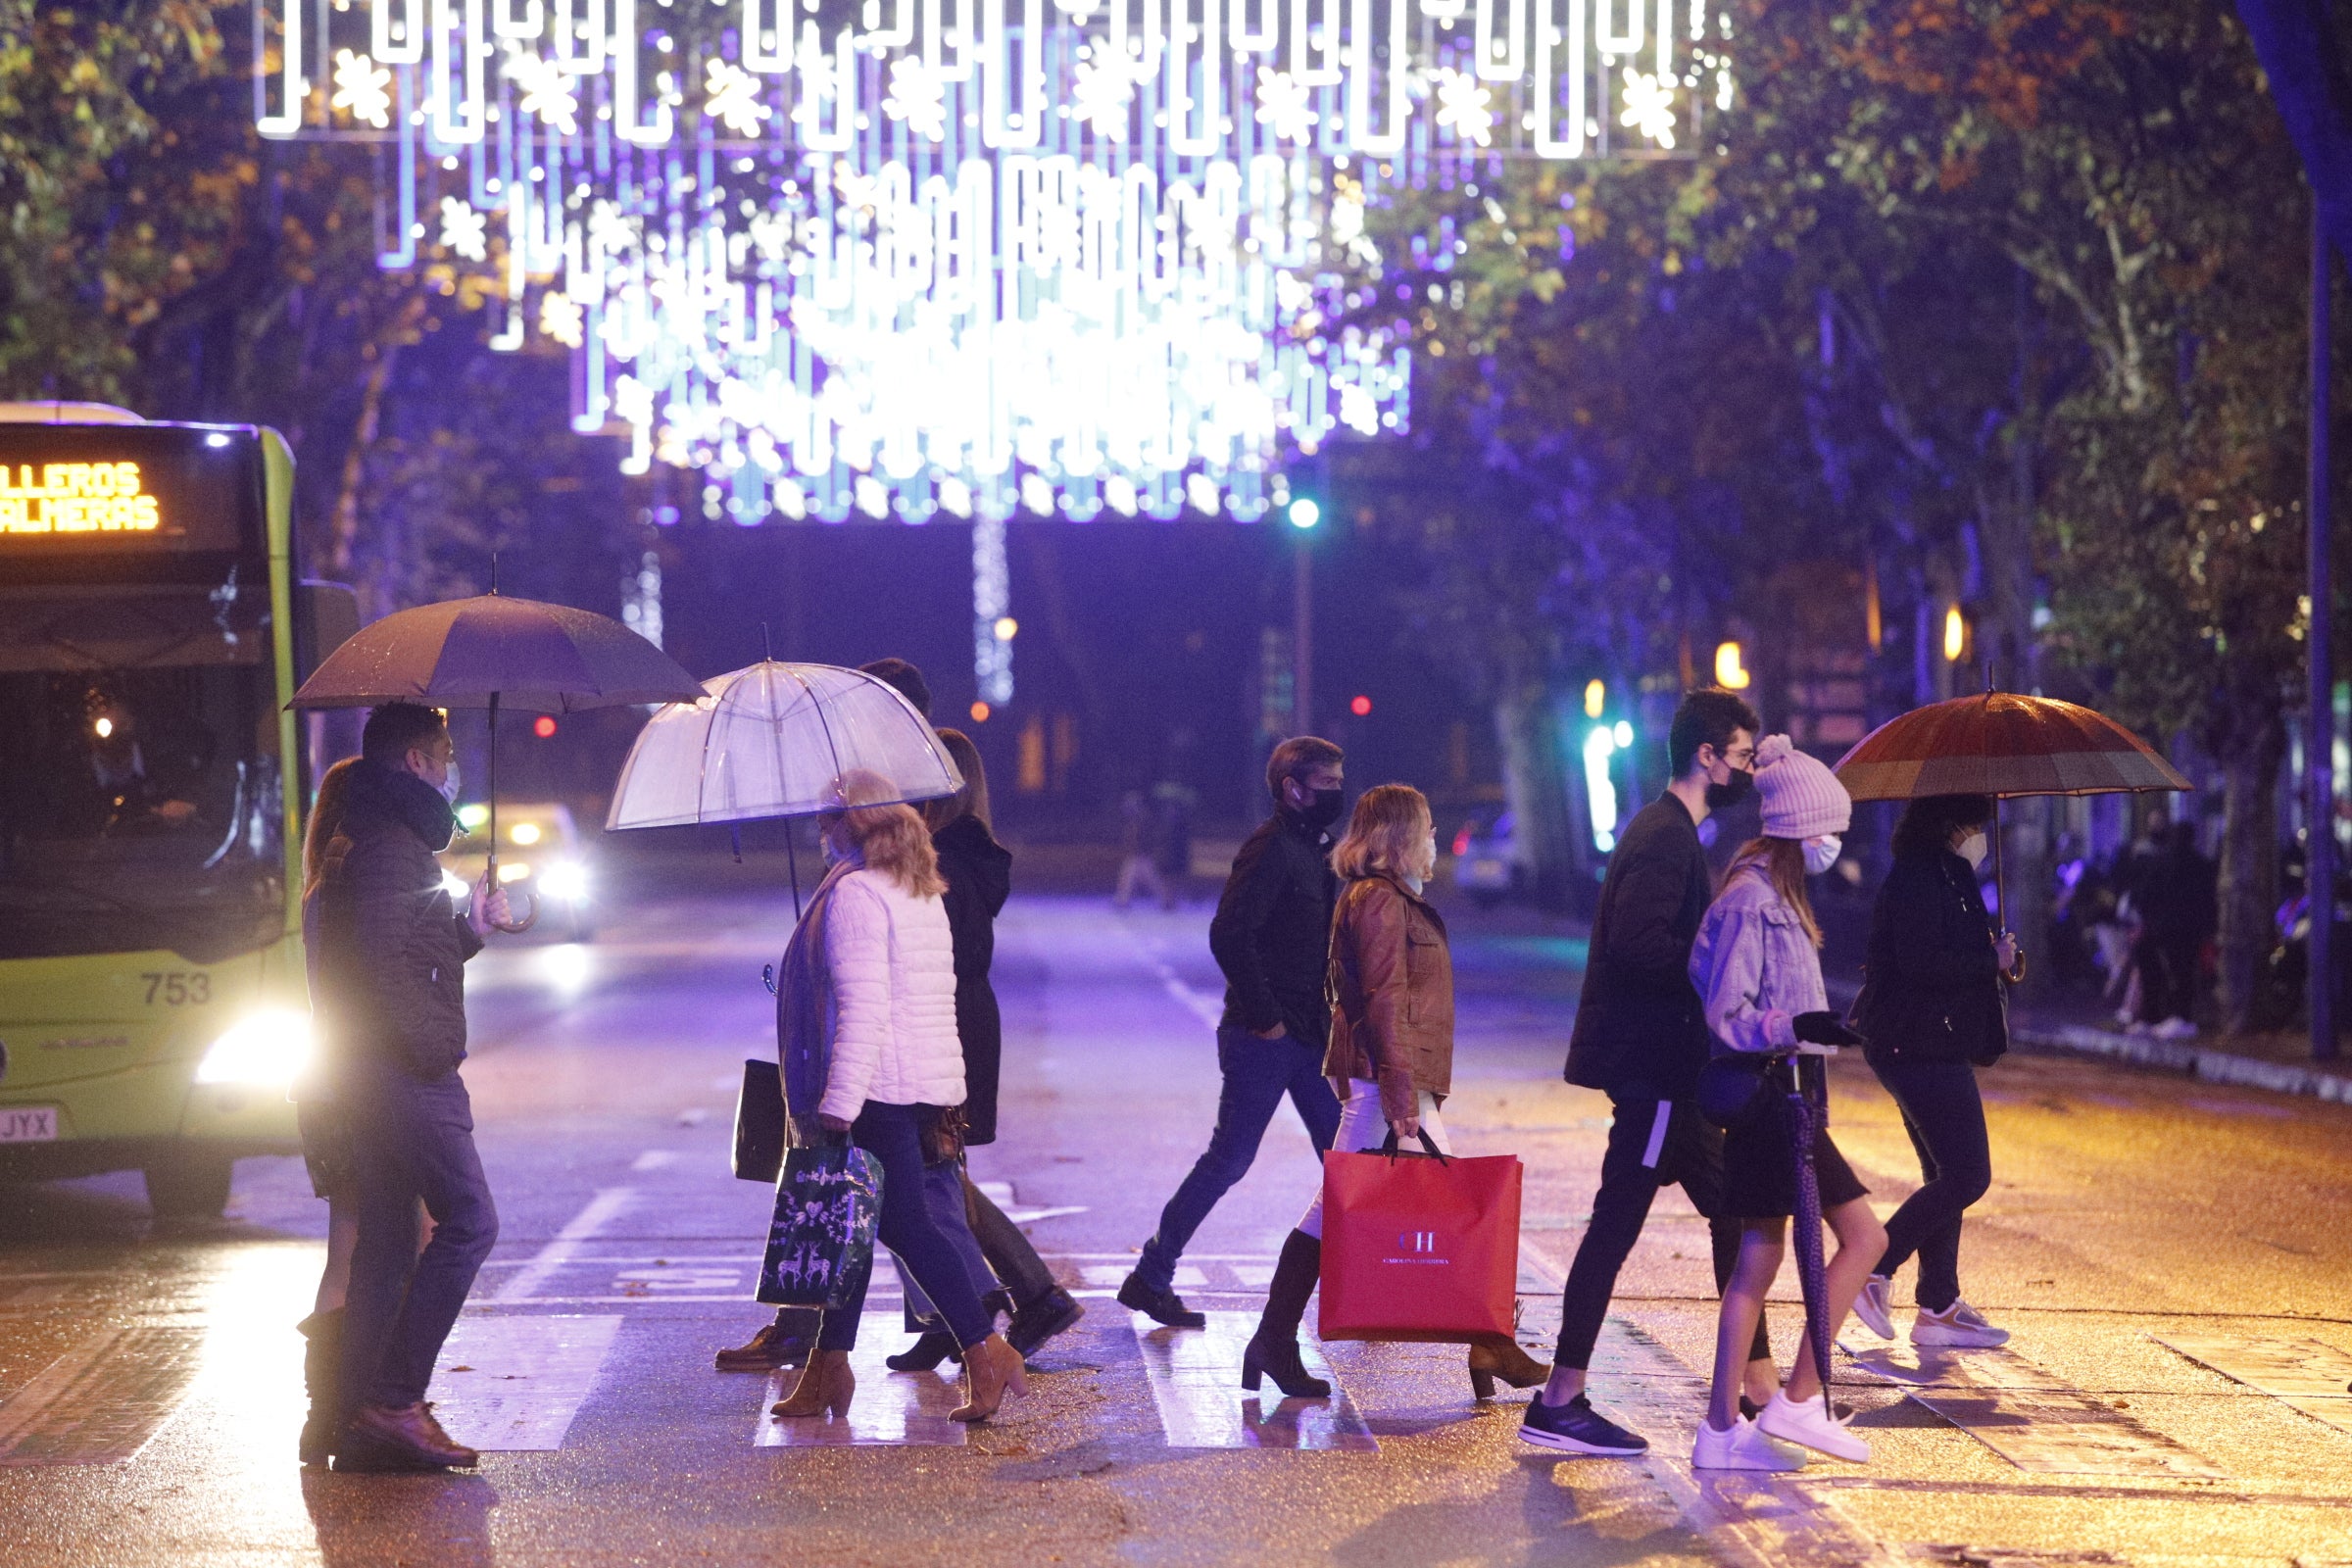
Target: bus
{"points": [[153, 1007]]}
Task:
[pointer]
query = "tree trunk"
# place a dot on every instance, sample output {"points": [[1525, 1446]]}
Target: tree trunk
{"points": [[1535, 781], [2253, 747]]}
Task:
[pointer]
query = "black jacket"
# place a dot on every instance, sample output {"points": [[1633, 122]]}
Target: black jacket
{"points": [[392, 961], [979, 874], [1932, 990], [1272, 931], [1641, 1032]]}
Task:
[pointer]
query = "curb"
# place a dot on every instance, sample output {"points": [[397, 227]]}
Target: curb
{"points": [[2197, 1061]]}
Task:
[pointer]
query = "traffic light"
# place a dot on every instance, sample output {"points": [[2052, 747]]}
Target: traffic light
{"points": [[1731, 670], [1305, 512], [1360, 706], [544, 726]]}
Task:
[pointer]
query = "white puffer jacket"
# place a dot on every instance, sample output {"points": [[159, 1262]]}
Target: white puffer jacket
{"points": [[892, 965]]}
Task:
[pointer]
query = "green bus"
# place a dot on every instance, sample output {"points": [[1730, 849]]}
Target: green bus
{"points": [[152, 1010]]}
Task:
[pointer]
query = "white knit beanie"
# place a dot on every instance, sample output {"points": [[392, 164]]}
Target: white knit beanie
{"points": [[1801, 798]]}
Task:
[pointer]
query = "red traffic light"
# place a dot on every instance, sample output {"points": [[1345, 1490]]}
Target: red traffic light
{"points": [[544, 725], [1360, 707]]}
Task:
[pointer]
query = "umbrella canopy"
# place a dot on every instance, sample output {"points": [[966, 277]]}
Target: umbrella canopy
{"points": [[770, 740], [1999, 743], [479, 651]]}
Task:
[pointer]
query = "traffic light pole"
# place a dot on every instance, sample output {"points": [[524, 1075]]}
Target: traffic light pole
{"points": [[1303, 640], [2319, 730]]}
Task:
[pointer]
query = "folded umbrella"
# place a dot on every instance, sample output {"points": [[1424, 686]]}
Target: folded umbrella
{"points": [[480, 652], [1812, 1272]]}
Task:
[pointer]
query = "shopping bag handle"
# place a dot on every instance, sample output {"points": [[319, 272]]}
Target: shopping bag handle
{"points": [[1428, 1144]]}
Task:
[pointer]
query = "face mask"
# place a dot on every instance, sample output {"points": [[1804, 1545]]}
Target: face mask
{"points": [[1822, 853], [1323, 807], [1731, 791], [449, 785], [1973, 848]]}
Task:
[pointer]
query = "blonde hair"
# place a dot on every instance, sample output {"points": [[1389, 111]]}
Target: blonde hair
{"points": [[1389, 833], [327, 818], [969, 801], [887, 832], [1783, 863]]}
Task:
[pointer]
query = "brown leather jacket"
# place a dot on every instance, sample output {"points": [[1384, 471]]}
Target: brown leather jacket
{"points": [[1392, 995]]}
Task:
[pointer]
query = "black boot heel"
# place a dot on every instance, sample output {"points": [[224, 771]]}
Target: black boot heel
{"points": [[1282, 1363], [1482, 1384]]}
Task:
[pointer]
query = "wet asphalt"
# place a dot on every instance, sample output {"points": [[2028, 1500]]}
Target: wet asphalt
{"points": [[2141, 1232]]}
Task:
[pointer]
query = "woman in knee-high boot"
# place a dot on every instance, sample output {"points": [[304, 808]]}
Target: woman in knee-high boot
{"points": [[1391, 1058]]}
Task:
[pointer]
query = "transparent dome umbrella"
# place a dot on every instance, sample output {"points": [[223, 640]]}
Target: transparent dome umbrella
{"points": [[771, 740], [475, 653]]}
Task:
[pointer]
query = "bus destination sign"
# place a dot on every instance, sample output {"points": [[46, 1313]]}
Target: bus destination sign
{"points": [[69, 489], [72, 498]]}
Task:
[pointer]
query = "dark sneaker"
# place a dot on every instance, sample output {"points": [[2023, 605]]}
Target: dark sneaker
{"points": [[1160, 1306], [768, 1350], [1578, 1427], [1055, 1313]]}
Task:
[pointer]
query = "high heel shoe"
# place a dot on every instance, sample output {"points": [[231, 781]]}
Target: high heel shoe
{"points": [[1280, 1360], [827, 1385], [1501, 1356], [992, 1372]]}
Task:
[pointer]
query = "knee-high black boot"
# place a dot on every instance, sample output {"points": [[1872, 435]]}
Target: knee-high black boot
{"points": [[322, 1361], [1273, 1351]]}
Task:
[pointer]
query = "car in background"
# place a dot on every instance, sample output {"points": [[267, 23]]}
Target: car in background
{"points": [[1485, 857], [540, 862]]}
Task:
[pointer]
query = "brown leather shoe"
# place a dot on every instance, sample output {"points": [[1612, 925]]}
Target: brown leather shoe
{"points": [[827, 1384], [991, 1370], [771, 1347], [1501, 1355], [390, 1438]]}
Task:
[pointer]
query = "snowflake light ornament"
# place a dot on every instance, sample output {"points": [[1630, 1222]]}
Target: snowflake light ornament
{"points": [[562, 319], [732, 98], [1464, 107], [1648, 106], [1282, 103], [548, 90], [362, 87], [919, 97], [464, 230], [1100, 91]]}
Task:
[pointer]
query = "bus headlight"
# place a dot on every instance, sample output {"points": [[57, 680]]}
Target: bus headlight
{"points": [[269, 1046], [566, 880]]}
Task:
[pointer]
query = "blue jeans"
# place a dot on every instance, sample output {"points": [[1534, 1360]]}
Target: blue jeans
{"points": [[894, 1135], [942, 1196], [1257, 1074], [409, 1140], [1945, 1118]]}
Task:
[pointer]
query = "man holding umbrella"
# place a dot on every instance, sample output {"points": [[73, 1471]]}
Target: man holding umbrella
{"points": [[392, 999]]}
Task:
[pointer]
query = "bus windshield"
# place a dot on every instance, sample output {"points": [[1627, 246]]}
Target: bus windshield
{"points": [[140, 782]]}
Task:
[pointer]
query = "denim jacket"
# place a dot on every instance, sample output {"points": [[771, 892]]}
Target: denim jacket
{"points": [[1754, 966]]}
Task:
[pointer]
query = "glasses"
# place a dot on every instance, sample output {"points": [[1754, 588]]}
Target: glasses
{"points": [[1739, 756]]}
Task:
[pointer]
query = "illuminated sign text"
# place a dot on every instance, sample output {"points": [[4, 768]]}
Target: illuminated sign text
{"points": [[75, 498]]}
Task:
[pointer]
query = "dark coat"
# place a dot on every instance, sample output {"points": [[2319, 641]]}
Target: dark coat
{"points": [[1271, 933], [391, 965], [1932, 989], [979, 874], [1641, 1032]]}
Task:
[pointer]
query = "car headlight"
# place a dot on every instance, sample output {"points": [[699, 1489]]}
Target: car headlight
{"points": [[566, 880], [269, 1046], [513, 870], [454, 886]]}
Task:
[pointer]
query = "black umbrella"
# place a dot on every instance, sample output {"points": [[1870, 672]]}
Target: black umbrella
{"points": [[1804, 1119]]}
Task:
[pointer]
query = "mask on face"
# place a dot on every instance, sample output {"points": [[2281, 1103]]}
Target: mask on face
{"points": [[1822, 853], [1731, 791], [1973, 849], [1323, 807], [449, 784]]}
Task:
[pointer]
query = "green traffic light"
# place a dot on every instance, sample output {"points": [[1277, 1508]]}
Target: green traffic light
{"points": [[1304, 512]]}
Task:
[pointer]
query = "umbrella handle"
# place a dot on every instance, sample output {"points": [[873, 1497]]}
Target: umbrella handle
{"points": [[515, 928]]}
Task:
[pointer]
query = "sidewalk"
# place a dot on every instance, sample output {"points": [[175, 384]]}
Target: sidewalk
{"points": [[2244, 1062]]}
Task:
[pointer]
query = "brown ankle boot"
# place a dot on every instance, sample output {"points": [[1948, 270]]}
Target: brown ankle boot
{"points": [[1501, 1356], [826, 1385], [992, 1369]]}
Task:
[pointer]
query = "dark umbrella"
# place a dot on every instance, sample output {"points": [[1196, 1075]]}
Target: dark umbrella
{"points": [[1812, 1272], [475, 653]]}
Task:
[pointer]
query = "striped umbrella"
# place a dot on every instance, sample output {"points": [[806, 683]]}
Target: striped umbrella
{"points": [[2002, 744]]}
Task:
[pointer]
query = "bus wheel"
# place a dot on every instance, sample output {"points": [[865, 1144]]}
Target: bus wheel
{"points": [[188, 1184]]}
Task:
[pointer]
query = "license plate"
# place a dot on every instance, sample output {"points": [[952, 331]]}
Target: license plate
{"points": [[27, 1124]]}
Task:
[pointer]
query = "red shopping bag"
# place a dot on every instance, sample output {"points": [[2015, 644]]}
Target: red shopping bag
{"points": [[1417, 1246]]}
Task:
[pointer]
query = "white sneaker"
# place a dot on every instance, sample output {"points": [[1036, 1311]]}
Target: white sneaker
{"points": [[1809, 1425], [2175, 1029], [1871, 1306], [1959, 1327], [1742, 1448]]}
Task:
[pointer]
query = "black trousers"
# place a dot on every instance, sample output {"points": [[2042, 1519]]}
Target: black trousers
{"points": [[1652, 1144]]}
